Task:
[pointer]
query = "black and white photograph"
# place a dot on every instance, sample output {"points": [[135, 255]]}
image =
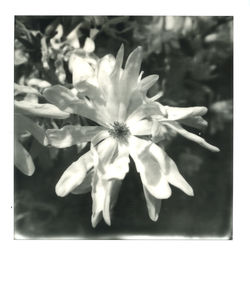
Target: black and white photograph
{"points": [[123, 127], [125, 151]]}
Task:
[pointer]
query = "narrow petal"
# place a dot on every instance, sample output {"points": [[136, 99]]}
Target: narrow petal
{"points": [[71, 135], [195, 122], [112, 192], [176, 179], [85, 186], [148, 82], [22, 159], [191, 136], [177, 113], [23, 123], [65, 100], [109, 85], [151, 163], [74, 175], [73, 37], [129, 81], [153, 205], [98, 194], [43, 110]]}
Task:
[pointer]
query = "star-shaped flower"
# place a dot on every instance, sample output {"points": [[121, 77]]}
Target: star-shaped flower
{"points": [[115, 99]]}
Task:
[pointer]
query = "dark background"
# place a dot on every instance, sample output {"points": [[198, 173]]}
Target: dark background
{"points": [[195, 65]]}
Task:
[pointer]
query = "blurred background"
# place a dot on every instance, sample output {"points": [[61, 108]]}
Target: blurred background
{"points": [[194, 58]]}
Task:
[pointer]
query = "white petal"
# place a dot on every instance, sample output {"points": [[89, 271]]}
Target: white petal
{"points": [[176, 179], [23, 123], [119, 165], [112, 192], [71, 135], [65, 100], [151, 163], [43, 110], [177, 113], [74, 175], [128, 81], [89, 45], [98, 198], [142, 127], [100, 136], [145, 111], [22, 159], [85, 186], [148, 82], [191, 136], [153, 205], [80, 68]]}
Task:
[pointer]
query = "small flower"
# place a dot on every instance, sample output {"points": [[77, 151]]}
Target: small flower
{"points": [[115, 100]]}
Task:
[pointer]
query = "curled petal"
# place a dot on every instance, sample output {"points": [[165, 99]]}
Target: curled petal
{"points": [[22, 159], [191, 136], [177, 113], [65, 100], [71, 135], [151, 163], [159, 132], [23, 123], [153, 205], [145, 111], [74, 175], [43, 110]]}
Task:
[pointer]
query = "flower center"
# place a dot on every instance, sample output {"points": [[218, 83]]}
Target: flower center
{"points": [[119, 131]]}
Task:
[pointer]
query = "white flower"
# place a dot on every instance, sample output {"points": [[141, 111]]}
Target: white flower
{"points": [[114, 100]]}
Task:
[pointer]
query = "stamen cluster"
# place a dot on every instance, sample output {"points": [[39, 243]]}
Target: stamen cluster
{"points": [[119, 131]]}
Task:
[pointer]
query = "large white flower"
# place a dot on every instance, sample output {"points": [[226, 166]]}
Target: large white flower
{"points": [[115, 99]]}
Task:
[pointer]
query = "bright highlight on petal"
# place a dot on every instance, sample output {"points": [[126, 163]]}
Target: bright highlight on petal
{"points": [[22, 159], [74, 175], [71, 135]]}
